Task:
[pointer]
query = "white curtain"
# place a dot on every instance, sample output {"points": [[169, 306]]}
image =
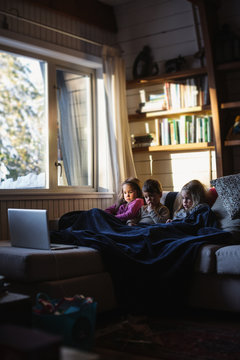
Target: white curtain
{"points": [[118, 133]]}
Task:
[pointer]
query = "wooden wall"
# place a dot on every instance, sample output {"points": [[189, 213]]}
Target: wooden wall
{"points": [[50, 18], [168, 27], [56, 204], [174, 169]]}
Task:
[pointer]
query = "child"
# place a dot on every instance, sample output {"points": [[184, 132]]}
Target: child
{"points": [[154, 211], [192, 196], [130, 201]]}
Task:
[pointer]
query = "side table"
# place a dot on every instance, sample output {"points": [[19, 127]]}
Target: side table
{"points": [[15, 308]]}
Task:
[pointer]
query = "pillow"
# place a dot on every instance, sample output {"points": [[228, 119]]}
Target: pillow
{"points": [[228, 188], [211, 196], [169, 200], [224, 220]]}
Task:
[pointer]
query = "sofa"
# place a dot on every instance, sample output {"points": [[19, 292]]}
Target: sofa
{"points": [[215, 284]]}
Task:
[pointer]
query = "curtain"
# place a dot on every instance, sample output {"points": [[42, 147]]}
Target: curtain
{"points": [[118, 132], [69, 103]]}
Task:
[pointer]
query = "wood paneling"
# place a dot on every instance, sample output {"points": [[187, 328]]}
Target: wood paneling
{"points": [[91, 12], [49, 18], [174, 169], [56, 205], [166, 26]]}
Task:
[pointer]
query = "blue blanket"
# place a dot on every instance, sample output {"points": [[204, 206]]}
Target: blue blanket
{"points": [[142, 258]]}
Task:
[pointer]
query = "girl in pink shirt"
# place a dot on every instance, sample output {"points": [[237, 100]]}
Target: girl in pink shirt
{"points": [[130, 201]]}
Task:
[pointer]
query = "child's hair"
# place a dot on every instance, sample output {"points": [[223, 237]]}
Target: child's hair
{"points": [[152, 186], [133, 179], [135, 185], [198, 193]]}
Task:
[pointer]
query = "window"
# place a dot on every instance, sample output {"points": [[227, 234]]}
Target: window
{"points": [[37, 126], [23, 122], [75, 146]]}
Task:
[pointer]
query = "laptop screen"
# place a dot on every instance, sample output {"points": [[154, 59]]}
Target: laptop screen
{"points": [[29, 228]]}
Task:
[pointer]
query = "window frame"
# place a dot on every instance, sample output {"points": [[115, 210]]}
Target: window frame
{"points": [[85, 64]]}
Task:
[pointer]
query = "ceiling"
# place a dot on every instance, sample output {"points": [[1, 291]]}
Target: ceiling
{"points": [[113, 2]]}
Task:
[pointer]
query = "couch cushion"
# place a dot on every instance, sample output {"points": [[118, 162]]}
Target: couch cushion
{"points": [[30, 265], [225, 221], [169, 199], [228, 260], [228, 188], [206, 259]]}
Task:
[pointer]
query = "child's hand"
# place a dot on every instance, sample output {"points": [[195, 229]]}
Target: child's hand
{"points": [[168, 221], [131, 223], [150, 208]]}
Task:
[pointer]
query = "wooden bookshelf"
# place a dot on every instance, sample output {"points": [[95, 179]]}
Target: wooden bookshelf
{"points": [[224, 106], [230, 105], [175, 112], [235, 65], [232, 142], [133, 84], [178, 147], [159, 114]]}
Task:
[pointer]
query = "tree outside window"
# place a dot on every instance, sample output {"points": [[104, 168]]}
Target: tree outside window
{"points": [[23, 122]]}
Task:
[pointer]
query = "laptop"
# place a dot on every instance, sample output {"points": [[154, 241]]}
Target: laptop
{"points": [[29, 229]]}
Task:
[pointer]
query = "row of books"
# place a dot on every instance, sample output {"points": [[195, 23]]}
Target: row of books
{"points": [[186, 93], [185, 129]]}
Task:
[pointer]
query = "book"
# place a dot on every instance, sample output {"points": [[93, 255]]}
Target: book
{"points": [[189, 129], [157, 132], [142, 94], [182, 125], [207, 129], [166, 87], [194, 92], [171, 127], [156, 102], [210, 129], [174, 131], [205, 90], [165, 132], [199, 129]]}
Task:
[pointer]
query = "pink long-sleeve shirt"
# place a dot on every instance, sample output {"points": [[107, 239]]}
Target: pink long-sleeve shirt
{"points": [[126, 211]]}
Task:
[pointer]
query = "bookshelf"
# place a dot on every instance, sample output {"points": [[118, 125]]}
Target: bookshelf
{"points": [[230, 105], [199, 108], [133, 84], [177, 147], [223, 106], [151, 115], [222, 76], [232, 142]]}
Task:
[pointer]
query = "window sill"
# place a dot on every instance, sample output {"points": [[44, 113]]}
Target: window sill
{"points": [[22, 195]]}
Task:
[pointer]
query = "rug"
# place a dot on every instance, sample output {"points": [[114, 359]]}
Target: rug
{"points": [[168, 338]]}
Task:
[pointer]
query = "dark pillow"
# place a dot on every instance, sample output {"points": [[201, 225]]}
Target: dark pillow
{"points": [[228, 189], [225, 221], [169, 202]]}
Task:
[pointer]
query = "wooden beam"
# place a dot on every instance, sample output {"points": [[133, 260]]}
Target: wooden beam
{"points": [[90, 12]]}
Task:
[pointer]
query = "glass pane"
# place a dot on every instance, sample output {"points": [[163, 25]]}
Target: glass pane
{"points": [[75, 143], [23, 122]]}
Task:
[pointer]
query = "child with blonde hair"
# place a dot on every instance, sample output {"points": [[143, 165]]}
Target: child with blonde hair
{"points": [[192, 196]]}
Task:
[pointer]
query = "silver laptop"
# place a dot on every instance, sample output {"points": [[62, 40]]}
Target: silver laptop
{"points": [[29, 229]]}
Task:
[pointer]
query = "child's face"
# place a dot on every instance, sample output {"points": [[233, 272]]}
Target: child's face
{"points": [[186, 199], [152, 199], [129, 193]]}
